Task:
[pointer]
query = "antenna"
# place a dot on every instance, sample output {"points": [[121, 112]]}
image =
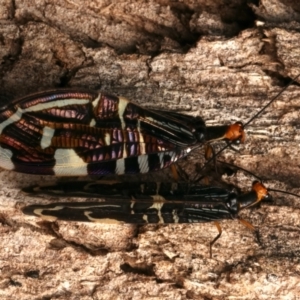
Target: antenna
{"points": [[258, 178], [229, 144]]}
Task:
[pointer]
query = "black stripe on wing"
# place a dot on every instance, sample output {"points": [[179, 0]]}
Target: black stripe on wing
{"points": [[131, 202], [137, 190], [131, 212]]}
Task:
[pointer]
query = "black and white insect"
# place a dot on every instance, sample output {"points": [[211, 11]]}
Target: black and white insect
{"points": [[76, 133], [145, 203], [73, 132]]}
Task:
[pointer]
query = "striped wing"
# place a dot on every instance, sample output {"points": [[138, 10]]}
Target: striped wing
{"points": [[131, 212], [128, 190], [73, 133], [135, 203]]}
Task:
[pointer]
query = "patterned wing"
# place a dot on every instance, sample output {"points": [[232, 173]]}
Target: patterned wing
{"points": [[73, 133], [132, 212], [135, 203]]}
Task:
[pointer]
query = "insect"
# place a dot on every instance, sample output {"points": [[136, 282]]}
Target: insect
{"points": [[75, 132], [142, 203]]}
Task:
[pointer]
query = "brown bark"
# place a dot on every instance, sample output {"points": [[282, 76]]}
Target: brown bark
{"points": [[197, 57]]}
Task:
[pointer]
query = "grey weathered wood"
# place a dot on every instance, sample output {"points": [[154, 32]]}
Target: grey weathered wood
{"points": [[193, 58]]}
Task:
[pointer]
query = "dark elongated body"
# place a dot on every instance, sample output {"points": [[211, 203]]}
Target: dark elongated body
{"points": [[74, 132], [145, 203]]}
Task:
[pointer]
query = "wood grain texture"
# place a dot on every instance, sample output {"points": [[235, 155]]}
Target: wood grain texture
{"points": [[196, 57]]}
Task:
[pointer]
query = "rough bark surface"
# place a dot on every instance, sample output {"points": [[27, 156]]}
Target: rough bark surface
{"points": [[222, 60]]}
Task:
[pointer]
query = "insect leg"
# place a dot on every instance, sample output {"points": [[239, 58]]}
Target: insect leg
{"points": [[217, 224]]}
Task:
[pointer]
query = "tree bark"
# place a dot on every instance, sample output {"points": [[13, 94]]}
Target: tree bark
{"points": [[222, 61]]}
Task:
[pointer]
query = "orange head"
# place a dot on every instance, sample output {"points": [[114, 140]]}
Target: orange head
{"points": [[235, 133], [261, 191]]}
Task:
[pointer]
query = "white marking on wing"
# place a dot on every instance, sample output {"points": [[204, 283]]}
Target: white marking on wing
{"points": [[158, 198], [102, 220], [124, 154], [38, 107], [96, 101], [141, 139], [12, 119], [120, 166], [39, 213], [48, 133], [57, 103], [5, 159], [68, 163], [93, 122], [143, 163], [107, 138], [175, 216], [161, 159], [123, 102], [132, 206], [87, 213], [158, 206]]}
